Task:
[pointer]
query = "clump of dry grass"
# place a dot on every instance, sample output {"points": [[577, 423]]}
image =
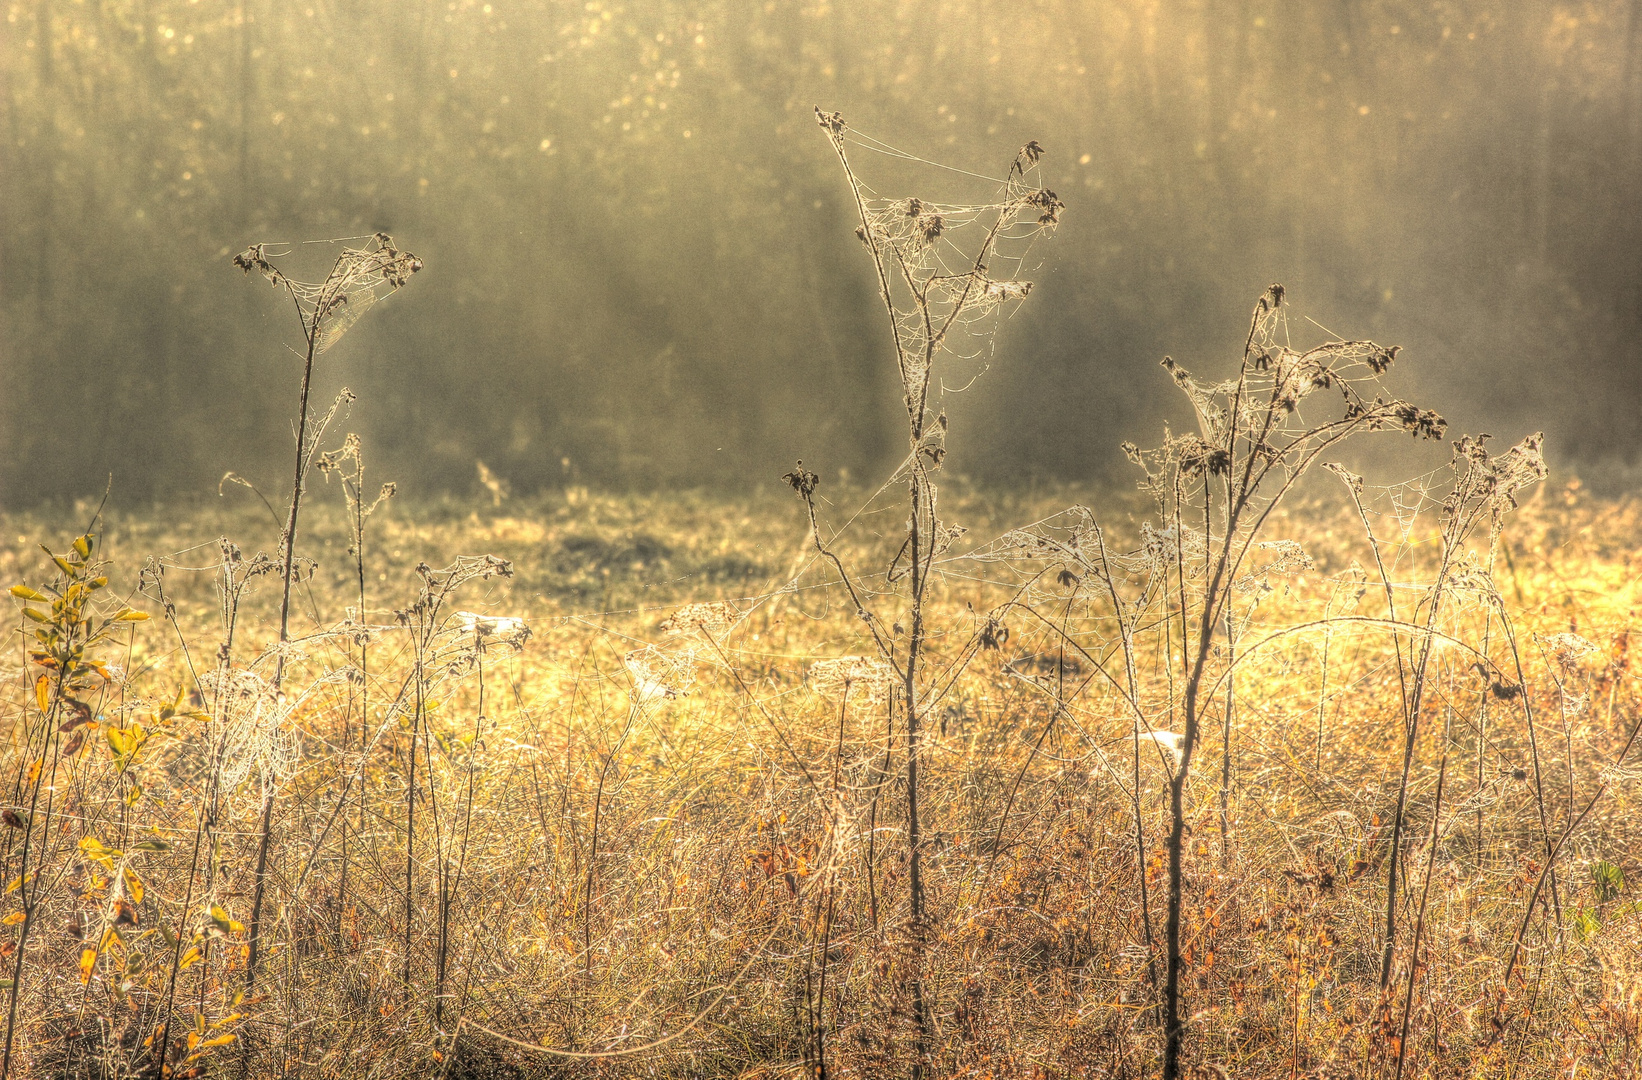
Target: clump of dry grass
{"points": [[711, 833], [671, 785]]}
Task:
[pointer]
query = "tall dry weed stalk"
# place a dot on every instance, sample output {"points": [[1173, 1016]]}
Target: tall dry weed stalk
{"points": [[326, 310], [934, 283]]}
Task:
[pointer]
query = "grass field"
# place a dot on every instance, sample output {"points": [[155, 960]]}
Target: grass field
{"points": [[664, 833]]}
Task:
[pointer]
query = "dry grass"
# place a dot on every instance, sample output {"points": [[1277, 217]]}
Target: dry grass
{"points": [[732, 817], [1245, 775]]}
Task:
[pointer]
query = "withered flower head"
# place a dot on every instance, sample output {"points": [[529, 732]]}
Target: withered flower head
{"points": [[1049, 203], [1381, 359], [831, 121], [802, 480]]}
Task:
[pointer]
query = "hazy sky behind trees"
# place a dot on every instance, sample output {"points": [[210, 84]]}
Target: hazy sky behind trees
{"points": [[639, 249]]}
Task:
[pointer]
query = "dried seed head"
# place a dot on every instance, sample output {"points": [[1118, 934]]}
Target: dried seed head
{"points": [[802, 480], [1046, 200], [1380, 360], [832, 122]]}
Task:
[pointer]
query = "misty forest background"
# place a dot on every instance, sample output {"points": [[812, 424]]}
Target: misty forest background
{"points": [[641, 267]]}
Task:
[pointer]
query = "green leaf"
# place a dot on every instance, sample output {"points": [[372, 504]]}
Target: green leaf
{"points": [[23, 592], [82, 544], [151, 845], [35, 614], [1607, 880]]}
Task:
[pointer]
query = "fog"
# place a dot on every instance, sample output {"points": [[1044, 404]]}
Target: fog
{"points": [[640, 266]]}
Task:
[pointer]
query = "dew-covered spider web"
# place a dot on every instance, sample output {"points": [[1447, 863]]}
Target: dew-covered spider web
{"points": [[358, 279], [945, 268]]}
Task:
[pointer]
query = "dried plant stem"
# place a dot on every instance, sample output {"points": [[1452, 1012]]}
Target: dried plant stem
{"points": [[593, 839], [1410, 721], [1173, 1023], [1419, 918], [420, 688], [1507, 625], [817, 1009], [872, 813], [288, 546], [1226, 738], [28, 889], [915, 879]]}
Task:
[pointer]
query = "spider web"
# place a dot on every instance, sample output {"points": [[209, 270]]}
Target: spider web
{"points": [[948, 267], [359, 278]]}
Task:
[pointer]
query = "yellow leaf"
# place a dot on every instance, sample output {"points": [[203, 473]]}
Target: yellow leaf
{"points": [[42, 693], [118, 740], [34, 770], [220, 1040], [23, 592], [133, 886], [88, 960], [94, 849], [13, 919], [188, 958], [193, 1039]]}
